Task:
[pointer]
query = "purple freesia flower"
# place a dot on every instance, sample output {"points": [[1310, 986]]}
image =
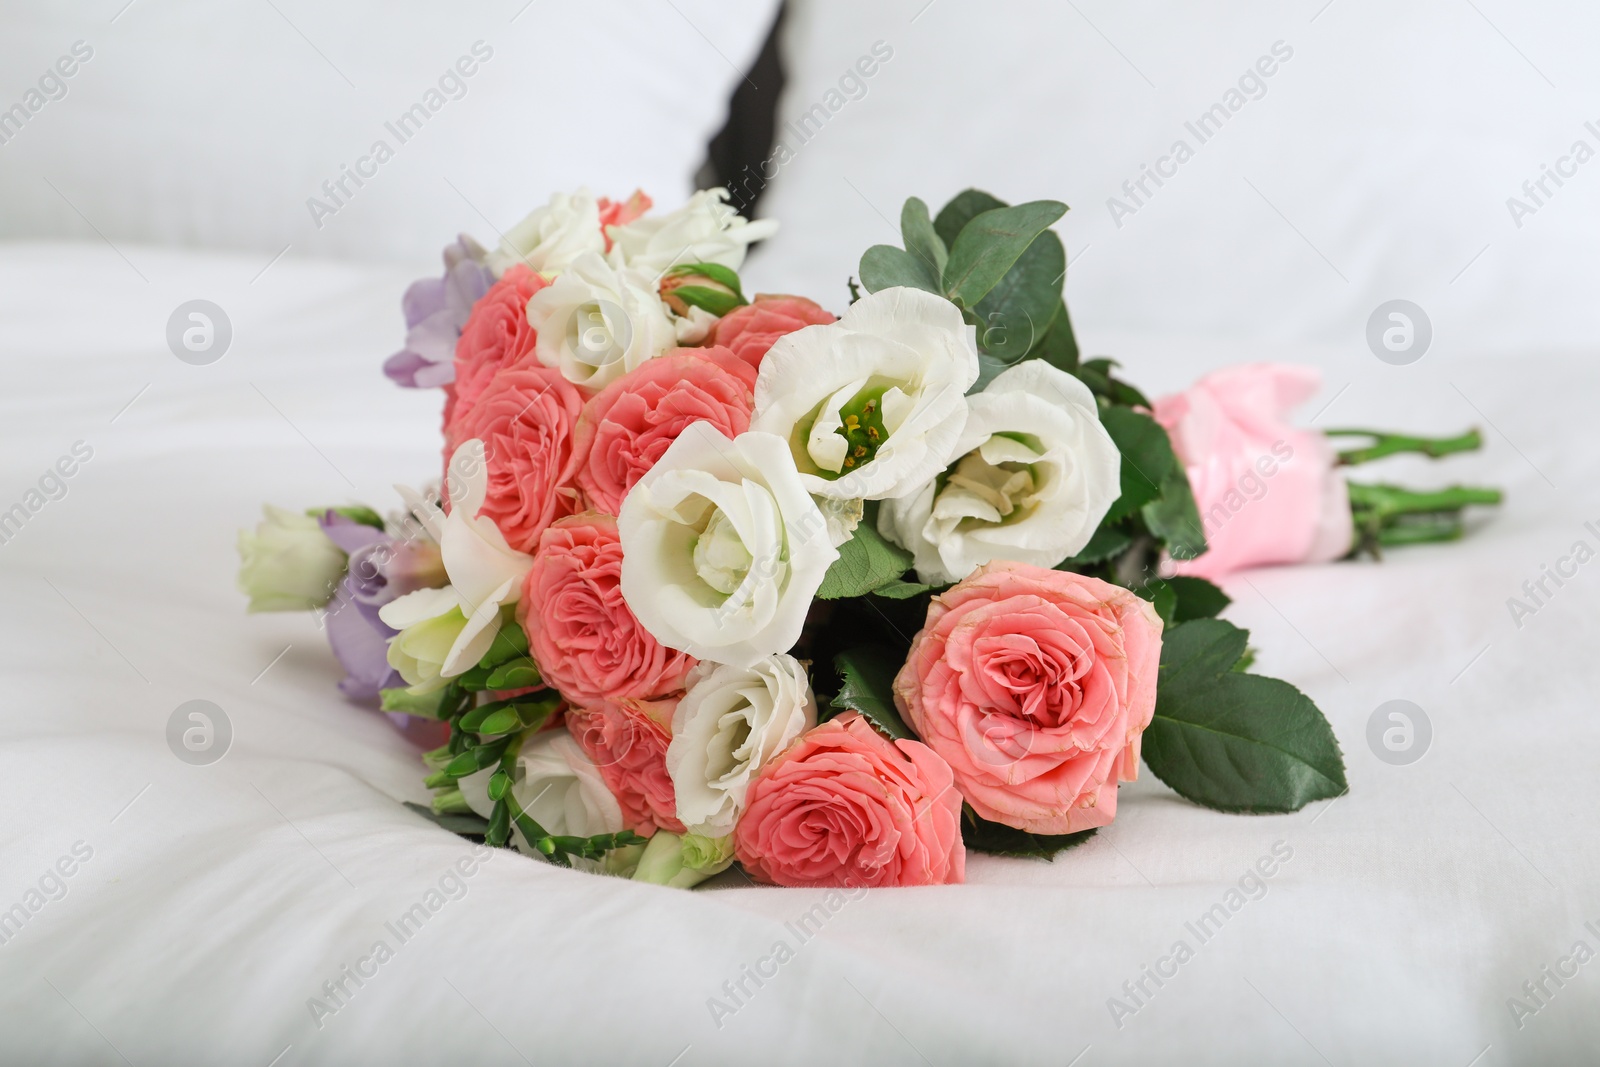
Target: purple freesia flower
{"points": [[436, 309], [359, 639]]}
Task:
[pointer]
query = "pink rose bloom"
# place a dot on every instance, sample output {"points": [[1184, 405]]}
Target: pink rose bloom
{"points": [[845, 806], [580, 631], [750, 330], [628, 742], [1035, 686], [525, 418], [628, 425], [497, 335], [621, 212], [1267, 492]]}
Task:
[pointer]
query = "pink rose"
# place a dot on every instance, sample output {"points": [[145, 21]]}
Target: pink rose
{"points": [[525, 419], [845, 806], [497, 335], [628, 742], [750, 330], [580, 631], [1035, 686], [628, 425], [1267, 492], [621, 212]]}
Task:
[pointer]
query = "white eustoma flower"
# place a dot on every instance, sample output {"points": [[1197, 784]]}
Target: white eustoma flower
{"points": [[552, 237], [704, 230], [730, 724], [484, 574], [1035, 475], [288, 563], [597, 321], [557, 785], [871, 405], [722, 549]]}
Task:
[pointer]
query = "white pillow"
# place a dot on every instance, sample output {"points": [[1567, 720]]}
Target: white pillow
{"points": [[1375, 165], [214, 123]]}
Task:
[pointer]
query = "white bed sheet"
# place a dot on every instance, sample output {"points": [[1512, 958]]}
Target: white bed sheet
{"points": [[218, 900]]}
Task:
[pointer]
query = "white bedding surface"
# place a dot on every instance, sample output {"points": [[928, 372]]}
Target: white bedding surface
{"points": [[218, 900]]}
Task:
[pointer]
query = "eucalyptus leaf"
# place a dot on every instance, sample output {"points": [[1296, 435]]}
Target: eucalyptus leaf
{"points": [[916, 230], [866, 684], [885, 266], [1233, 741], [866, 562], [1059, 345], [1016, 314], [962, 209], [990, 244]]}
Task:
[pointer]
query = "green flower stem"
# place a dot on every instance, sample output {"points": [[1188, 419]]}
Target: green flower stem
{"points": [[1389, 444], [1393, 515]]}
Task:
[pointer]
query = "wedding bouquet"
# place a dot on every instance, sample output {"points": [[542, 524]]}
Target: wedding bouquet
{"points": [[715, 579]]}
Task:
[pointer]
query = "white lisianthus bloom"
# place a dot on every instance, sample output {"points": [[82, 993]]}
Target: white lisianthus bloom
{"points": [[704, 230], [685, 861], [484, 574], [552, 237], [288, 563], [730, 723], [557, 785], [871, 405], [722, 550], [596, 322], [1035, 474]]}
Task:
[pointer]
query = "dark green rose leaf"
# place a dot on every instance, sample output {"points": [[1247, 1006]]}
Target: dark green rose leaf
{"points": [[866, 562], [866, 684], [1233, 741]]}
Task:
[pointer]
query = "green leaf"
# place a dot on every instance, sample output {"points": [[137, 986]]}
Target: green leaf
{"points": [[714, 301], [509, 642], [866, 677], [1059, 346], [1197, 599], [865, 562], [966, 206], [1173, 516], [1233, 741], [514, 674], [354, 512], [885, 266], [901, 590], [726, 276], [1146, 458], [463, 823], [1017, 313], [990, 244], [1107, 541], [1002, 840], [498, 832], [916, 230]]}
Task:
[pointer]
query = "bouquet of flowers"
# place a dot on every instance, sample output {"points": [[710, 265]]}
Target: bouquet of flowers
{"points": [[715, 579]]}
